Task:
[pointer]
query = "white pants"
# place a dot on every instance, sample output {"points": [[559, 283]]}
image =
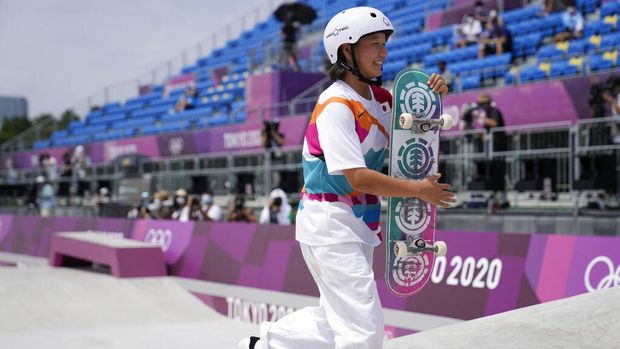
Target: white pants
{"points": [[349, 314]]}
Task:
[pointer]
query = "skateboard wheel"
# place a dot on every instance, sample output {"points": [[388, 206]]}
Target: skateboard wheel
{"points": [[446, 121], [400, 249], [442, 248], [405, 121]]}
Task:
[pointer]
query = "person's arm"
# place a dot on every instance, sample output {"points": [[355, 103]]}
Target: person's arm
{"points": [[264, 216], [372, 182], [278, 137], [249, 215], [490, 122]]}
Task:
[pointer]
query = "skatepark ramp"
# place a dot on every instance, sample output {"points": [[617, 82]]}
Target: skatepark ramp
{"points": [[54, 308], [585, 321]]}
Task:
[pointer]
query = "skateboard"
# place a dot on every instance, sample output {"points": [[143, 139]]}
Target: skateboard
{"points": [[414, 144]]}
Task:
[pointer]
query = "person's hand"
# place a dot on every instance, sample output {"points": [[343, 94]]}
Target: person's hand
{"points": [[436, 193], [608, 97], [437, 84]]}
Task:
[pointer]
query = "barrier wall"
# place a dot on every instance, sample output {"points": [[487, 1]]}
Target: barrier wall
{"points": [[483, 274]]}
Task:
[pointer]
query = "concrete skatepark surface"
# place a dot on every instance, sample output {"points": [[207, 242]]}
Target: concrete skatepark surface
{"points": [[585, 321], [46, 307]]}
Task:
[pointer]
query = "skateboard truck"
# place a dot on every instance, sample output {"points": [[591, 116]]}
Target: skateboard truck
{"points": [[415, 245], [417, 122]]}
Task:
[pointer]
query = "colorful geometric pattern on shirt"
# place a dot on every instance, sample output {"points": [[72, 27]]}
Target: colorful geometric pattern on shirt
{"points": [[363, 122]]}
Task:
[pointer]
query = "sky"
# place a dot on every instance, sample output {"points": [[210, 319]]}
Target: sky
{"points": [[56, 53]]}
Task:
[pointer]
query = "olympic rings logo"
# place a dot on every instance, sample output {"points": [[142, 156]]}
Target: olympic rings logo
{"points": [[610, 280]]}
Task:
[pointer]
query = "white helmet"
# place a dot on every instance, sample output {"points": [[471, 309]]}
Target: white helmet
{"points": [[348, 26]]}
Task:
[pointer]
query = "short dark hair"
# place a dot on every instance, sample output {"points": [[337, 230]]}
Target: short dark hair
{"points": [[336, 71]]}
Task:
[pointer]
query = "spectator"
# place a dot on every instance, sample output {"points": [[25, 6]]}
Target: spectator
{"points": [[550, 6], [485, 113], [495, 40], [51, 168], [446, 74], [480, 13], [141, 211], [237, 212], [179, 201], [612, 97], [572, 21], [47, 197], [277, 210], [32, 195], [187, 100], [11, 173], [161, 206], [210, 210], [469, 31], [191, 211], [272, 138], [289, 42], [79, 164], [271, 135], [102, 197]]}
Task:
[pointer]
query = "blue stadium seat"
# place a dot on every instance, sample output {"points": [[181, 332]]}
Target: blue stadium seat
{"points": [[562, 68], [150, 130], [470, 82], [41, 144], [577, 47], [610, 41], [549, 52], [597, 62], [531, 73], [610, 8], [597, 27]]}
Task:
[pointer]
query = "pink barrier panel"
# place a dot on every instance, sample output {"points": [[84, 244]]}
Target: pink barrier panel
{"points": [[484, 273]]}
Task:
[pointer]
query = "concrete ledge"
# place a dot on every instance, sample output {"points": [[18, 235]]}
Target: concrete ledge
{"points": [[125, 257]]}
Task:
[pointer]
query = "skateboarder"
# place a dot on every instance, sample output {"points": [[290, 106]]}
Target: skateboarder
{"points": [[338, 219]]}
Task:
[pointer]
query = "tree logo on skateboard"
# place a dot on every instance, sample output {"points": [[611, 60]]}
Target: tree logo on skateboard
{"points": [[412, 215], [415, 158], [416, 97], [409, 271]]}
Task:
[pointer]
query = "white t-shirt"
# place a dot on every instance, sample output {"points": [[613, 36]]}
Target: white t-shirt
{"points": [[345, 131]]}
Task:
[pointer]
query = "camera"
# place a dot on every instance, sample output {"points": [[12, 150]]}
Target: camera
{"points": [[239, 202]]}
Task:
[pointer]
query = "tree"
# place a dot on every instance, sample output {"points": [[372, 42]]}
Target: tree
{"points": [[14, 126]]}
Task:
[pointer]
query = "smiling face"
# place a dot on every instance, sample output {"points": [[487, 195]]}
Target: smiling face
{"points": [[370, 54]]}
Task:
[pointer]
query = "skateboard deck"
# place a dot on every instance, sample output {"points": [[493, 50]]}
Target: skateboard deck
{"points": [[414, 146]]}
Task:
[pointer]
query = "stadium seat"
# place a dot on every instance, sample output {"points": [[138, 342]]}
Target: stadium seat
{"points": [[41, 144], [531, 73], [598, 62], [610, 8], [470, 82]]}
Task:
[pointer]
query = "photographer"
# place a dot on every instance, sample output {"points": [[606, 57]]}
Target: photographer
{"points": [[485, 114], [612, 97], [605, 101], [271, 136], [192, 211], [277, 210], [237, 212]]}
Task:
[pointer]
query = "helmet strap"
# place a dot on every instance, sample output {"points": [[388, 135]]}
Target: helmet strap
{"points": [[356, 71]]}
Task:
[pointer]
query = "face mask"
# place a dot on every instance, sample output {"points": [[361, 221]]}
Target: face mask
{"points": [[206, 199], [155, 205], [180, 201]]}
